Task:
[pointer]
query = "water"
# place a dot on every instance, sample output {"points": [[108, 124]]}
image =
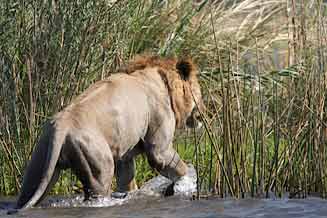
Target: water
{"points": [[154, 207], [148, 202]]}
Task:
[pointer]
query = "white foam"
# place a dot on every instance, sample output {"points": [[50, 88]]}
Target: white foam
{"points": [[78, 201], [186, 185], [156, 187]]}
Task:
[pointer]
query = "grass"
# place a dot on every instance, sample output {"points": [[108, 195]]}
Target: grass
{"points": [[263, 76]]}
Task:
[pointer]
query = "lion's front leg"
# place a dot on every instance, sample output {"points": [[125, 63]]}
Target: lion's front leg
{"points": [[125, 174], [159, 150], [125, 169], [166, 161]]}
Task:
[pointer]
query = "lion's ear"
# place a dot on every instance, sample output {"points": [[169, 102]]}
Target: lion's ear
{"points": [[185, 68]]}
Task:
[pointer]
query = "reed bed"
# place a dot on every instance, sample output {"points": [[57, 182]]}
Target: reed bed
{"points": [[262, 69]]}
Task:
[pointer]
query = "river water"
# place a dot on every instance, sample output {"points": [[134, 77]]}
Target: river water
{"points": [[148, 202], [176, 207]]}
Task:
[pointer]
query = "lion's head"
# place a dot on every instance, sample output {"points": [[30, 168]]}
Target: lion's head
{"points": [[180, 77]]}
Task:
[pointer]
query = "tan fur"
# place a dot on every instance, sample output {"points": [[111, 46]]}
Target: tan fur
{"points": [[108, 125]]}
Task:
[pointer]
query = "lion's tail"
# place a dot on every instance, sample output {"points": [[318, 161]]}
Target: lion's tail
{"points": [[41, 172]]}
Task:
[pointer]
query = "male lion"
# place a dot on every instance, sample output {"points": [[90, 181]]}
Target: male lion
{"points": [[131, 112]]}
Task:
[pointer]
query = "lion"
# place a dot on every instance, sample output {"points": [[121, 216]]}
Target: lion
{"points": [[134, 111]]}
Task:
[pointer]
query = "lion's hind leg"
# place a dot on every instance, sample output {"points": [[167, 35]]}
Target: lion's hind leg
{"points": [[93, 163]]}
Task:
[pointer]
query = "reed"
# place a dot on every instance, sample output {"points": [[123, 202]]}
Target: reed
{"points": [[263, 75]]}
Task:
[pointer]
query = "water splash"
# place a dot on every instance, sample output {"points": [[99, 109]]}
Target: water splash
{"points": [[78, 201], [186, 185], [161, 186], [158, 186]]}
